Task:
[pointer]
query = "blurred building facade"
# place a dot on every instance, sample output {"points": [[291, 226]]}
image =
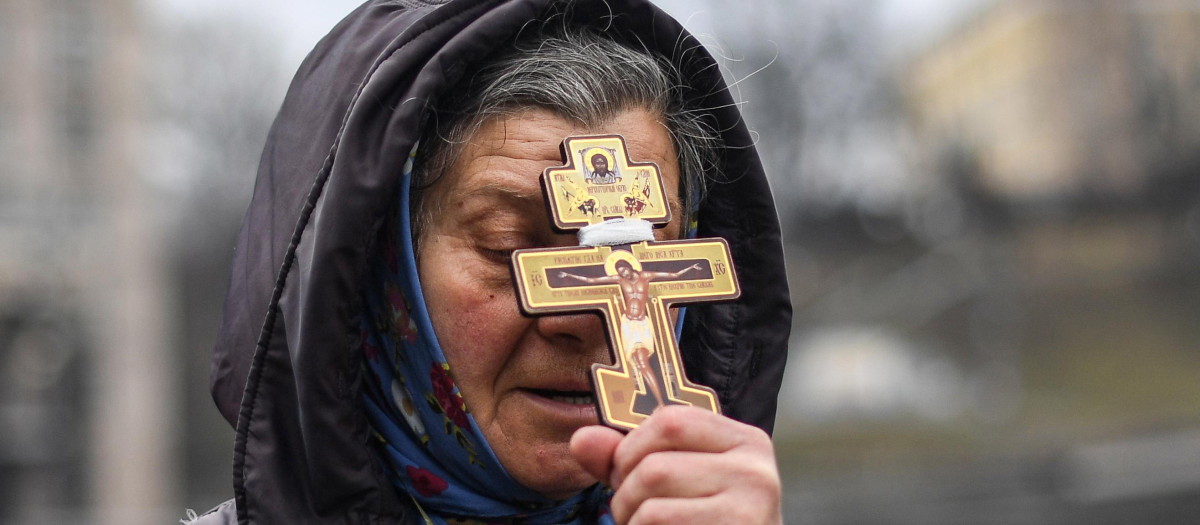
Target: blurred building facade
{"points": [[961, 359], [1079, 118], [1065, 99], [85, 402]]}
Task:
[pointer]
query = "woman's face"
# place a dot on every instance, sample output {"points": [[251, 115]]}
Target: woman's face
{"points": [[525, 379]]}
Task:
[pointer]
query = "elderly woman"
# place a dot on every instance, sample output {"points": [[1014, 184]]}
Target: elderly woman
{"points": [[373, 356]]}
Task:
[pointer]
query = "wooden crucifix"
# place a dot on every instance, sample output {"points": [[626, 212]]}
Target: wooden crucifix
{"points": [[632, 286]]}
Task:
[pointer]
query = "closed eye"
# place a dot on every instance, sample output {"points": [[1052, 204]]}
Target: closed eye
{"points": [[498, 255]]}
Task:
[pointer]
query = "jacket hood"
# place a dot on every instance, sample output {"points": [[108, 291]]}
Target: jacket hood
{"points": [[287, 363]]}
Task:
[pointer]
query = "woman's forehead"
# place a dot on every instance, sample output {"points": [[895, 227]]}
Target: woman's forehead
{"points": [[505, 157]]}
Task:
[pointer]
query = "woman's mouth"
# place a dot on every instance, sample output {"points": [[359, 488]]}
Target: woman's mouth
{"points": [[569, 397]]}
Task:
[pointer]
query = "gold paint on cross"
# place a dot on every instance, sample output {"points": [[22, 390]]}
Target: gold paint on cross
{"points": [[632, 286], [599, 182]]}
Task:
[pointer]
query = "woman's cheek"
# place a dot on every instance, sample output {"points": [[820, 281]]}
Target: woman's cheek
{"points": [[483, 316], [480, 331]]}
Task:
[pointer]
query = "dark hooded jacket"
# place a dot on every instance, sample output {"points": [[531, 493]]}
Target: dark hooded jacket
{"points": [[287, 365]]}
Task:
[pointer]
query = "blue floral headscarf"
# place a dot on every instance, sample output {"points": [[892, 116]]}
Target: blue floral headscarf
{"points": [[436, 452]]}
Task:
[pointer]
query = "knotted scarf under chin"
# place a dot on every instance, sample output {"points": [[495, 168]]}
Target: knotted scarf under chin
{"points": [[435, 451]]}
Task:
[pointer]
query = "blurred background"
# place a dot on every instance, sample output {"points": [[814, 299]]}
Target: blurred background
{"points": [[991, 208]]}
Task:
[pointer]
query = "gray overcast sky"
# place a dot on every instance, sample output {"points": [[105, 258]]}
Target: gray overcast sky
{"points": [[300, 23]]}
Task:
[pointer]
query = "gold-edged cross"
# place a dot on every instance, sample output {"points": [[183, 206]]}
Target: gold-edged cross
{"points": [[631, 285]]}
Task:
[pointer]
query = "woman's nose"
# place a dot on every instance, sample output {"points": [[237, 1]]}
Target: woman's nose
{"points": [[574, 332]]}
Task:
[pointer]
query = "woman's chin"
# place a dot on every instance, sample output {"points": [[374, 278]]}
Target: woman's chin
{"points": [[531, 438], [551, 473], [561, 492]]}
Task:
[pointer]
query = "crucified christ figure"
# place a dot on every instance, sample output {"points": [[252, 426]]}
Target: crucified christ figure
{"points": [[637, 331]]}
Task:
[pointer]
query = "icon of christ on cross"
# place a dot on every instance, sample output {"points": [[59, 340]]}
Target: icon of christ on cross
{"points": [[637, 332]]}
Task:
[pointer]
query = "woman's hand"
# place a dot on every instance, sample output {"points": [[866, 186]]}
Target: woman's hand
{"points": [[684, 465]]}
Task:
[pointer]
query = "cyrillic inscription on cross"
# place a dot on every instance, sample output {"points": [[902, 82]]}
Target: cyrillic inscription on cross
{"points": [[599, 182], [632, 286]]}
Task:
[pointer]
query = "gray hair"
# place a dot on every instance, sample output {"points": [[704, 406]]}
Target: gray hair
{"points": [[582, 76]]}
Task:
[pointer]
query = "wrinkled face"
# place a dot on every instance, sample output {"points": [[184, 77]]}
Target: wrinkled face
{"points": [[525, 379]]}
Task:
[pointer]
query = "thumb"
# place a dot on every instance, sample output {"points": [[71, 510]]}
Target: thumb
{"points": [[593, 448]]}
